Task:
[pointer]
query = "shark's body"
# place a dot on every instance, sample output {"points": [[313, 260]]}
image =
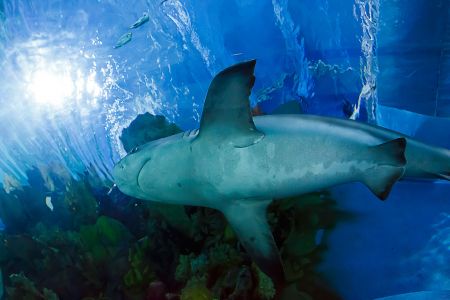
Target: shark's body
{"points": [[239, 164]]}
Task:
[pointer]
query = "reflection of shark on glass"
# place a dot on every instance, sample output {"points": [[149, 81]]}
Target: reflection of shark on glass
{"points": [[142, 20], [124, 39], [238, 164]]}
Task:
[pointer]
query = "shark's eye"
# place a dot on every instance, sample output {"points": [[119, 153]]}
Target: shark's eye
{"points": [[135, 149]]}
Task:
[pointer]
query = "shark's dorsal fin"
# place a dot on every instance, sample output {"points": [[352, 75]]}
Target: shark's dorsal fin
{"points": [[226, 112]]}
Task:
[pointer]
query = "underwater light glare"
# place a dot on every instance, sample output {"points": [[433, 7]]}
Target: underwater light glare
{"points": [[55, 86], [47, 87]]}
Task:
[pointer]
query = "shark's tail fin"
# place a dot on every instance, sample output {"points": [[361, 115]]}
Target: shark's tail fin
{"points": [[391, 161], [444, 170], [427, 162]]}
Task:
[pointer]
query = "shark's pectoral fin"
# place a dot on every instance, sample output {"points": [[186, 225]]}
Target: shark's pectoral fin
{"points": [[249, 221], [226, 112], [390, 167]]}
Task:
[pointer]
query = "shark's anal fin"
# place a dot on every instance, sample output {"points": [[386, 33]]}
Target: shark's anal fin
{"points": [[249, 221], [226, 113]]}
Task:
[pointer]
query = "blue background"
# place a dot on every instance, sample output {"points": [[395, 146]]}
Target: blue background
{"points": [[384, 62]]}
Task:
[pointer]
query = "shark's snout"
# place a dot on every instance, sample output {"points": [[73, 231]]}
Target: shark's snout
{"points": [[126, 174], [123, 176]]}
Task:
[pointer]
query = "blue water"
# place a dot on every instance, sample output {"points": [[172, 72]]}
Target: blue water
{"points": [[66, 95]]}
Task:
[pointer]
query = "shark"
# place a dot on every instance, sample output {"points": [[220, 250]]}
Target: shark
{"points": [[238, 164]]}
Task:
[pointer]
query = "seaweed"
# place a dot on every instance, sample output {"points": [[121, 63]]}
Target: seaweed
{"points": [[97, 244], [24, 288]]}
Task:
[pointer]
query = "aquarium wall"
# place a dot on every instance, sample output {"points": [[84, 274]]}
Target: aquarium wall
{"points": [[74, 76]]}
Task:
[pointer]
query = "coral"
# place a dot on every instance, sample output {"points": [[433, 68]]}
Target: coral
{"points": [[99, 245], [224, 256], [183, 271], [22, 207], [140, 272], [112, 232], [175, 216], [244, 285], [24, 288], [265, 288], [196, 289], [208, 225], [299, 243], [220, 256], [81, 203], [291, 292], [49, 294], [105, 238], [300, 223], [199, 264], [20, 248]]}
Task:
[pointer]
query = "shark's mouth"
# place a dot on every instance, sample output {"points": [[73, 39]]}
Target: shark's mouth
{"points": [[139, 174]]}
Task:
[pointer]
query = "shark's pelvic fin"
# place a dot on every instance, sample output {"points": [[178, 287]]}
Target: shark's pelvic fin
{"points": [[226, 112], [249, 221], [391, 167]]}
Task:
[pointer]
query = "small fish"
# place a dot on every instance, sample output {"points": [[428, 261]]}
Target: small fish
{"points": [[142, 20], [48, 202], [124, 39]]}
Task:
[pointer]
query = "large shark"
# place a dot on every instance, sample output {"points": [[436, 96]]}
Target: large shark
{"points": [[239, 164]]}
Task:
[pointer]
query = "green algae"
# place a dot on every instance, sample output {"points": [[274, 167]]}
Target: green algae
{"points": [[92, 252]]}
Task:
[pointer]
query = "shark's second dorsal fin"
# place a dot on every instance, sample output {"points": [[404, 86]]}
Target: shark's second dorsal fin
{"points": [[226, 112]]}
